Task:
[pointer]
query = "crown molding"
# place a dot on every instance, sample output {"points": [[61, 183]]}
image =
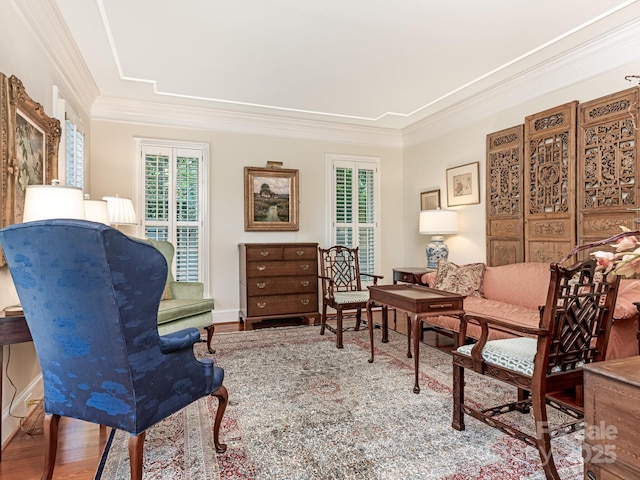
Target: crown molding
{"points": [[596, 57], [45, 21], [149, 113]]}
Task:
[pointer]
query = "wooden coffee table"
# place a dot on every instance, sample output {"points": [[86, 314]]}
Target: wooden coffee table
{"points": [[419, 303]]}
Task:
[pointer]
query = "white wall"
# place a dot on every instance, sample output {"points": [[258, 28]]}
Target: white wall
{"points": [[461, 139], [112, 161]]}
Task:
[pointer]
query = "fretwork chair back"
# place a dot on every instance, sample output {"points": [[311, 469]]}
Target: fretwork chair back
{"points": [[90, 296], [574, 330], [342, 287]]}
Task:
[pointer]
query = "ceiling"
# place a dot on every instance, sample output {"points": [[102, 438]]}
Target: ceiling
{"points": [[377, 63]]}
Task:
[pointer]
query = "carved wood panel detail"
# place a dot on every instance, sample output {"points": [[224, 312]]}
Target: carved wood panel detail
{"points": [[549, 179], [607, 165], [505, 196]]}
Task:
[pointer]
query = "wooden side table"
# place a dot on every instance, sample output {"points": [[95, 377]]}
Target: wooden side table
{"points": [[410, 274], [12, 330], [419, 302]]}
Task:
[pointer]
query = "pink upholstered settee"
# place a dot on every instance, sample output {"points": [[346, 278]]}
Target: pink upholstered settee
{"points": [[514, 292]]}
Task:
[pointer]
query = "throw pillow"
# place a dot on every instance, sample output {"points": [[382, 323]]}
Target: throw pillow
{"points": [[463, 280]]}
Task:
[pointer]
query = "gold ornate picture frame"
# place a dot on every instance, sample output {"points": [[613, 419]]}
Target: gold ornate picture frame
{"points": [[28, 149], [270, 199]]}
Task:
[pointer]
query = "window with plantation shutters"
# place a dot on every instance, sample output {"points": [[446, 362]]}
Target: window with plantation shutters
{"points": [[172, 184], [74, 153], [354, 209]]}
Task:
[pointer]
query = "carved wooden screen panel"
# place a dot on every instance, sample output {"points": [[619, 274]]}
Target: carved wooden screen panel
{"points": [[549, 183], [505, 196], [607, 165]]}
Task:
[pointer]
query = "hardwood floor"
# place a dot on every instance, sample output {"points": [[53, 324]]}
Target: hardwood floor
{"points": [[80, 443]]}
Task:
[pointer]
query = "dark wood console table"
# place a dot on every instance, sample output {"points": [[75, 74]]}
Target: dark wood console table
{"points": [[419, 303], [12, 330]]}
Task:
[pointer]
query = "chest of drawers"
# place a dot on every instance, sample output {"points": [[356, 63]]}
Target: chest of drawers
{"points": [[278, 280], [612, 414]]}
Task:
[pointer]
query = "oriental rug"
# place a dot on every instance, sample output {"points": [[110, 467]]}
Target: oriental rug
{"points": [[301, 409]]}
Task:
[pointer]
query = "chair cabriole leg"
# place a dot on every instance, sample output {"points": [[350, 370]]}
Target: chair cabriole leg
{"points": [[223, 398], [136, 450], [51, 423]]}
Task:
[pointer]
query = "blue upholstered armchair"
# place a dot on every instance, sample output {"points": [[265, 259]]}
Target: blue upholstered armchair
{"points": [[90, 296]]}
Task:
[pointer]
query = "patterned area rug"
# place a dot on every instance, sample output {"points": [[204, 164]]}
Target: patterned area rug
{"points": [[301, 409]]}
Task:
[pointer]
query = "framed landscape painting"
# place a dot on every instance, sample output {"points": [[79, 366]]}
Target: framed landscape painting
{"points": [[28, 151], [463, 187], [270, 199]]}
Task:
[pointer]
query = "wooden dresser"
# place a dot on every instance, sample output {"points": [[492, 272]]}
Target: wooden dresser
{"points": [[278, 280], [612, 417]]}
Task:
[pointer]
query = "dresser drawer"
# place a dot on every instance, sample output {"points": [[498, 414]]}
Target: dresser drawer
{"points": [[266, 252], [284, 268], [280, 285], [282, 304], [300, 252]]}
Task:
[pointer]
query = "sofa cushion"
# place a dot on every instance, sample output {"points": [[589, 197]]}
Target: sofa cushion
{"points": [[176, 308], [463, 280], [524, 284]]}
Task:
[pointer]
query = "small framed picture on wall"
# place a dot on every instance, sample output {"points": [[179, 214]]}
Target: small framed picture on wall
{"points": [[430, 200], [463, 187]]}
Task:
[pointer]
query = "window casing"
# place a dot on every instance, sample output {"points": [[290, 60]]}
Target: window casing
{"points": [[355, 187], [171, 176]]}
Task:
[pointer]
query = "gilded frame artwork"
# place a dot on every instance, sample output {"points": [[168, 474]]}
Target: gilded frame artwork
{"points": [[430, 200], [270, 199], [463, 185], [28, 151]]}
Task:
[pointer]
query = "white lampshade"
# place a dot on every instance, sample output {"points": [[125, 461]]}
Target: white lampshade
{"points": [[121, 211], [43, 202], [438, 222], [96, 211]]}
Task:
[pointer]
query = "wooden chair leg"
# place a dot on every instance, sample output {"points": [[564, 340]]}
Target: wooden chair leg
{"points": [[210, 330], [543, 439], [136, 450], [51, 423], [522, 396], [339, 328], [358, 319], [385, 324], [458, 398], [223, 398], [323, 318]]}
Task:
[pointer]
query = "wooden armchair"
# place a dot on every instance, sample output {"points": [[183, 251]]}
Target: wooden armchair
{"points": [[574, 329], [342, 287]]}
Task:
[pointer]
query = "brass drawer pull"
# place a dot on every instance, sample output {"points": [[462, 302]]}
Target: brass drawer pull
{"points": [[264, 253], [304, 266], [304, 283], [261, 267], [300, 252], [261, 304], [261, 285], [304, 302]]}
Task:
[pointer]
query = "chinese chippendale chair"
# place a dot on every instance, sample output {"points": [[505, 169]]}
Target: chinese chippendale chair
{"points": [[90, 296], [573, 331], [342, 288]]}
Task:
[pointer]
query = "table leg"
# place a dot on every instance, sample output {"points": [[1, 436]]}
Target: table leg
{"points": [[409, 355], [370, 326], [415, 325]]}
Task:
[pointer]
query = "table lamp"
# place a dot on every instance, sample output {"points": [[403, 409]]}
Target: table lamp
{"points": [[96, 210], [437, 223], [43, 202], [121, 211]]}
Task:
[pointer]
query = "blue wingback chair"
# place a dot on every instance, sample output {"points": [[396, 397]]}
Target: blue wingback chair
{"points": [[90, 296]]}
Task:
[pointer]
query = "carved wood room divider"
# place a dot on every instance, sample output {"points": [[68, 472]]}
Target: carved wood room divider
{"points": [[578, 171]]}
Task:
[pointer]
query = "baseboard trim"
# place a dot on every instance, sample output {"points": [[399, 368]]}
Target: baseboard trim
{"points": [[11, 425]]}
